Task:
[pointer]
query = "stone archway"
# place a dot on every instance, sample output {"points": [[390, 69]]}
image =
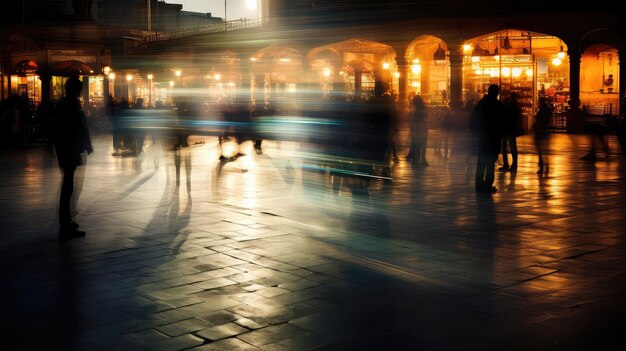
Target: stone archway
{"points": [[427, 72], [355, 67]]}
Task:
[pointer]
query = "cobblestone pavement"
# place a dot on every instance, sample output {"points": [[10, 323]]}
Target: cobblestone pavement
{"points": [[257, 254]]}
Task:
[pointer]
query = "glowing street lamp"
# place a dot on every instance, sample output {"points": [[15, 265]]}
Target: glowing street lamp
{"points": [[150, 76], [129, 78]]}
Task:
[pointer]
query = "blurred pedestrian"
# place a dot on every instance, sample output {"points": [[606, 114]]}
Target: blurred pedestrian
{"points": [[71, 141], [486, 125], [511, 129], [418, 133], [541, 128]]}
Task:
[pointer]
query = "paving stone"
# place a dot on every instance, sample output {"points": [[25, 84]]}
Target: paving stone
{"points": [[221, 331]]}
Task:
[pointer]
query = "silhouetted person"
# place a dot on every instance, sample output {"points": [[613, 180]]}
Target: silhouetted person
{"points": [[541, 128], [485, 123], [596, 132], [138, 130], [418, 133], [71, 140], [511, 129]]}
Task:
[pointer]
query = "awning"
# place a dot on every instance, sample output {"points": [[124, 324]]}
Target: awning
{"points": [[26, 67], [71, 67]]}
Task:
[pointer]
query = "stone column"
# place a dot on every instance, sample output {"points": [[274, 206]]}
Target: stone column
{"points": [[456, 77], [403, 81], [622, 83], [574, 75]]}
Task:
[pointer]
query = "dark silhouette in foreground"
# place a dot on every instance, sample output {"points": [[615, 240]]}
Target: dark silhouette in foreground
{"points": [[485, 123], [71, 141]]}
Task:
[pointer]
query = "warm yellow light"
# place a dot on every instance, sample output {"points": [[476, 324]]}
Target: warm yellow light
{"points": [[285, 60], [231, 84], [178, 73], [479, 72], [252, 58], [217, 77], [129, 77], [385, 65], [416, 69], [496, 57], [416, 60], [171, 83], [106, 70], [561, 55], [326, 72], [415, 84], [516, 72], [556, 61], [467, 47], [111, 76], [396, 74], [529, 72], [475, 58], [251, 4], [341, 73], [506, 71], [150, 76]]}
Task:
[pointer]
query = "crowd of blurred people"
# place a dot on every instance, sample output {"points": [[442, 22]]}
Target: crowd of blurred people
{"points": [[353, 140]]}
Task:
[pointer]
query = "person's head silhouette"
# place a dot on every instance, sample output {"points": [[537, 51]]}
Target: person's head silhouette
{"points": [[73, 87], [493, 91]]}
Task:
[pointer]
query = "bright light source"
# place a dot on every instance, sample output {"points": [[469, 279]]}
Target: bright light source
{"points": [[529, 72], [171, 83], [467, 47], [475, 58], [251, 4], [396, 74], [479, 72], [506, 71], [516, 72], [556, 61], [385, 65], [106, 70], [285, 60], [252, 58], [326, 72], [416, 60], [416, 69], [129, 77], [111, 76], [496, 57], [150, 76], [178, 73], [217, 77], [561, 55]]}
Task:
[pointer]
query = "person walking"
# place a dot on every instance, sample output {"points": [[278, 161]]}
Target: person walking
{"points": [[486, 125], [71, 141], [418, 133], [540, 129], [511, 130]]}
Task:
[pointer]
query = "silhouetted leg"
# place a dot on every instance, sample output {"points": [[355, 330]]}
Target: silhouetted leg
{"points": [[514, 154], [66, 195]]}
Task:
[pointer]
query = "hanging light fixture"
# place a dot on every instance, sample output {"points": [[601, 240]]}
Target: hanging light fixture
{"points": [[561, 53], [440, 54], [507, 43]]}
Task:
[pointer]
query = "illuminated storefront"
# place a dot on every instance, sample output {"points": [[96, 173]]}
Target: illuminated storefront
{"points": [[532, 65]]}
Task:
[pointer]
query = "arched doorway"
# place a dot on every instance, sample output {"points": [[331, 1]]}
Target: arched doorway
{"points": [[600, 80], [277, 71], [428, 73], [354, 66]]}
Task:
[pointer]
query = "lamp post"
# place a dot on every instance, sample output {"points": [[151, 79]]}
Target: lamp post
{"points": [[150, 76], [106, 71], [129, 78]]}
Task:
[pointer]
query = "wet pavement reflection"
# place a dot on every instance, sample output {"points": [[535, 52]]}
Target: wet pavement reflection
{"points": [[273, 251]]}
